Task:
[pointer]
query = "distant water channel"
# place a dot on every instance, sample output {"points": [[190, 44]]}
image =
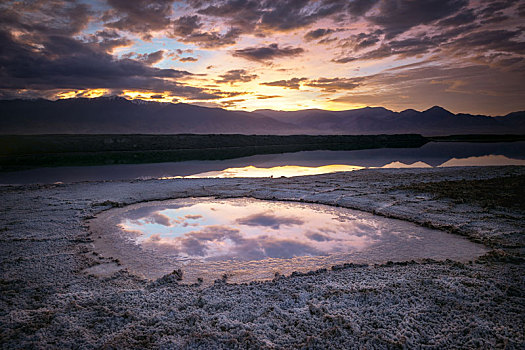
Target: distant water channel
{"points": [[433, 154], [249, 239]]}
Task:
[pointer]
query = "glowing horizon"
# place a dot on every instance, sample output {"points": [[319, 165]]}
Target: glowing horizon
{"points": [[466, 56]]}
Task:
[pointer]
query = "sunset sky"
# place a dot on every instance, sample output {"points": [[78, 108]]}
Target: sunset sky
{"points": [[466, 56]]}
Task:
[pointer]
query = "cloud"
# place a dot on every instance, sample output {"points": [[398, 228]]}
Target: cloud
{"points": [[267, 53], [293, 83], [187, 30], [186, 25], [464, 17], [139, 16], [293, 14], [495, 7], [318, 33], [188, 59], [396, 17], [500, 40], [254, 16], [213, 39], [266, 97], [419, 86], [236, 76], [268, 219], [325, 84], [361, 41], [109, 40], [343, 60], [152, 58], [361, 7], [334, 84]]}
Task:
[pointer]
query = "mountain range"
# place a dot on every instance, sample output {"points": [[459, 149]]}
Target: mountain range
{"points": [[116, 115]]}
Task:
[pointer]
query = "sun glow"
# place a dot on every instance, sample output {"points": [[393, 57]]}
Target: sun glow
{"points": [[90, 93], [148, 96]]}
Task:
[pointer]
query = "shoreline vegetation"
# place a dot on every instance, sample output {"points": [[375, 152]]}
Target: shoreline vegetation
{"points": [[20, 152]]}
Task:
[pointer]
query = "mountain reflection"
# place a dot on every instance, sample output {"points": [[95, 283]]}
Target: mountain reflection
{"points": [[294, 170]]}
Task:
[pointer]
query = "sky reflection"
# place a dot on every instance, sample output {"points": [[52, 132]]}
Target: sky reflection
{"points": [[244, 229], [251, 230], [249, 239], [293, 170]]}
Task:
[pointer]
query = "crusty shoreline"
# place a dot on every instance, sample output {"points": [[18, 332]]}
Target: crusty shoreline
{"points": [[49, 299]]}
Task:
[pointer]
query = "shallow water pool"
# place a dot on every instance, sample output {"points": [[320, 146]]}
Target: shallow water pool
{"points": [[249, 239]]}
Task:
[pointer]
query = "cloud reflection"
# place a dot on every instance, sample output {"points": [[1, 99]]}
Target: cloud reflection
{"points": [[269, 219], [242, 229]]}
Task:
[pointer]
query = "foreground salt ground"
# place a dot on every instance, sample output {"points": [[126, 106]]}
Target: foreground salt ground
{"points": [[51, 297]]}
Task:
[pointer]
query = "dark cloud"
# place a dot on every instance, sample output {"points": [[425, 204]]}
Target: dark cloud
{"points": [[498, 40], [275, 16], [151, 58], [240, 14], [362, 40], [396, 17], [35, 19], [318, 33], [188, 59], [108, 40], [66, 63], [361, 7], [139, 16], [236, 76], [465, 17], [344, 59], [293, 83], [293, 14], [521, 10], [267, 53], [269, 220], [188, 30], [42, 53], [186, 25], [334, 84], [496, 18], [495, 7]]}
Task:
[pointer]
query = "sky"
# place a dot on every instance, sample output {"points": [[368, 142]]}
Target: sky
{"points": [[466, 56]]}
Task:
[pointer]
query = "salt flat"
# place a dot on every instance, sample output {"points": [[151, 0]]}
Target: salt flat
{"points": [[59, 292]]}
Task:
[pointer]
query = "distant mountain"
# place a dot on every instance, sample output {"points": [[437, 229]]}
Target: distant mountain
{"points": [[378, 120], [120, 116], [115, 115]]}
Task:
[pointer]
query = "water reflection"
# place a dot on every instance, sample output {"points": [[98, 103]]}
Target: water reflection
{"points": [[490, 160], [242, 229], [288, 164], [280, 171], [286, 171], [250, 239]]}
